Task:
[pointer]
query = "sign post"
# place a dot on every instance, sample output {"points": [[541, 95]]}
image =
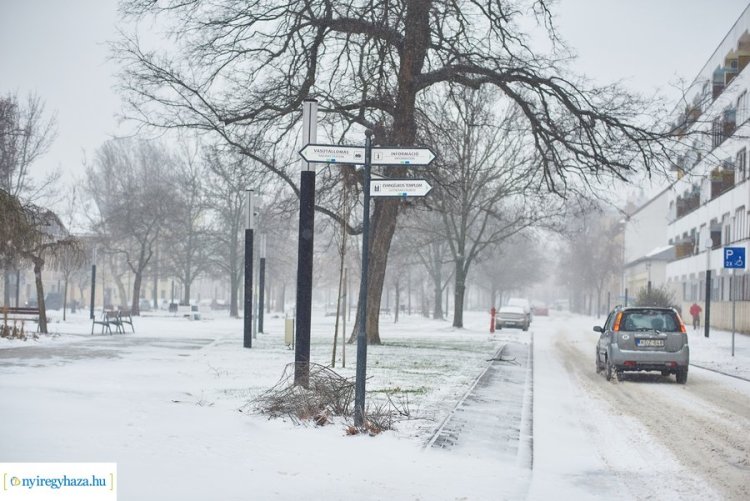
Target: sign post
{"points": [[367, 156], [734, 259], [306, 234]]}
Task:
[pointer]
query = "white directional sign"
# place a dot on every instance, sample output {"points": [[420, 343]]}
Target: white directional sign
{"points": [[399, 188], [402, 156], [332, 154]]}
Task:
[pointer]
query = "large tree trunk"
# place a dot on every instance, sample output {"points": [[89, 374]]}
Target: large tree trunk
{"points": [[280, 298], [234, 281], [38, 265], [437, 310], [382, 228], [135, 305], [460, 291], [398, 301]]}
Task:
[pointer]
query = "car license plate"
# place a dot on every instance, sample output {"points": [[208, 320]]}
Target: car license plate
{"points": [[655, 343]]}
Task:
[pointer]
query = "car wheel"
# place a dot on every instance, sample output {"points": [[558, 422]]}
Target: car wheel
{"points": [[525, 328], [609, 370], [682, 375]]}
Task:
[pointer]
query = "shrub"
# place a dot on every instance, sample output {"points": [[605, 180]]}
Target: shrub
{"points": [[657, 296]]}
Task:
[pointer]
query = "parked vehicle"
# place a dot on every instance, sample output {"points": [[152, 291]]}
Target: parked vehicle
{"points": [[144, 304], [643, 339], [523, 303], [540, 309], [52, 301], [512, 316]]}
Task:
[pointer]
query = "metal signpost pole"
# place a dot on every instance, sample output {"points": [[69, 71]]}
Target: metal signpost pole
{"points": [[734, 257], [707, 316], [93, 285], [359, 389], [261, 281], [248, 314], [305, 248], [734, 303]]}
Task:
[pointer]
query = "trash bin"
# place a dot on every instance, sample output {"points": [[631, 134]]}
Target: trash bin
{"points": [[194, 313]]}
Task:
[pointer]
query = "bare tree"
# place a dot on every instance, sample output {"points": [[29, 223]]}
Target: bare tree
{"points": [[230, 175], [515, 264], [187, 232], [592, 255], [131, 184], [487, 190], [429, 244], [242, 70], [25, 135], [35, 235]]}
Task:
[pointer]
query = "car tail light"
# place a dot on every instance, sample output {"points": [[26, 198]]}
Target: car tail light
{"points": [[672, 364], [629, 363], [682, 327], [617, 322]]}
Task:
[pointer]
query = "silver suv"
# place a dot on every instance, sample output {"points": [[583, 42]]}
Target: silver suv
{"points": [[643, 338]]}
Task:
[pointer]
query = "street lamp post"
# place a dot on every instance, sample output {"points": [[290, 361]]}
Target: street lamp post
{"points": [[248, 312], [93, 284], [261, 281]]}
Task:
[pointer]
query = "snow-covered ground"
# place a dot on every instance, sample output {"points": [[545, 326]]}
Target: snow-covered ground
{"points": [[164, 404]]}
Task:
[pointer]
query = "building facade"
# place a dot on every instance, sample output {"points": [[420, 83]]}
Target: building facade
{"points": [[707, 207]]}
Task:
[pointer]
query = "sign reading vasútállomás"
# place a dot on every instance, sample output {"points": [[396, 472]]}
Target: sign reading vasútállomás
{"points": [[402, 156], [399, 188], [332, 154]]}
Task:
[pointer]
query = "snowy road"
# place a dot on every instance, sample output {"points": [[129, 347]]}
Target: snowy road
{"points": [[655, 439]]}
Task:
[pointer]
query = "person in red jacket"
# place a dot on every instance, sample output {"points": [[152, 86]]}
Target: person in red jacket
{"points": [[695, 312]]}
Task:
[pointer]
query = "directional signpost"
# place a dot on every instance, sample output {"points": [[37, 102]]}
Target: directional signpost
{"points": [[399, 188], [402, 156], [369, 156], [734, 259], [333, 154]]}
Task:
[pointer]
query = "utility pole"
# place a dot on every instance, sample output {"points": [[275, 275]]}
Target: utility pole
{"points": [[261, 281], [248, 313], [709, 246], [93, 284]]}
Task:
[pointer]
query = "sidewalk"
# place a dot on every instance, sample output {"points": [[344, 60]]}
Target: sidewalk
{"points": [[715, 352]]}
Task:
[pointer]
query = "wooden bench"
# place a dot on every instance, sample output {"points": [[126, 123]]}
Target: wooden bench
{"points": [[20, 314]]}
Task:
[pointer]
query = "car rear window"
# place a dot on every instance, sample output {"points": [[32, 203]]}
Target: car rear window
{"points": [[644, 320]]}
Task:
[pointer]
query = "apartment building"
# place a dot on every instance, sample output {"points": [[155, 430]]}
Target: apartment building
{"points": [[708, 205]]}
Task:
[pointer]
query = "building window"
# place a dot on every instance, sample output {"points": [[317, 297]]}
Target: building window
{"points": [[726, 229], [739, 224], [742, 114], [716, 130], [741, 166]]}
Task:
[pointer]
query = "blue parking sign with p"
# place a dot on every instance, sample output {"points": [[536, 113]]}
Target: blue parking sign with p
{"points": [[734, 257]]}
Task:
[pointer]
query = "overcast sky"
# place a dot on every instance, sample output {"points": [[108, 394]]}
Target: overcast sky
{"points": [[57, 49]]}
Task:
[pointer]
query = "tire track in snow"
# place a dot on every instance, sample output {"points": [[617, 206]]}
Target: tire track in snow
{"points": [[703, 424]]}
